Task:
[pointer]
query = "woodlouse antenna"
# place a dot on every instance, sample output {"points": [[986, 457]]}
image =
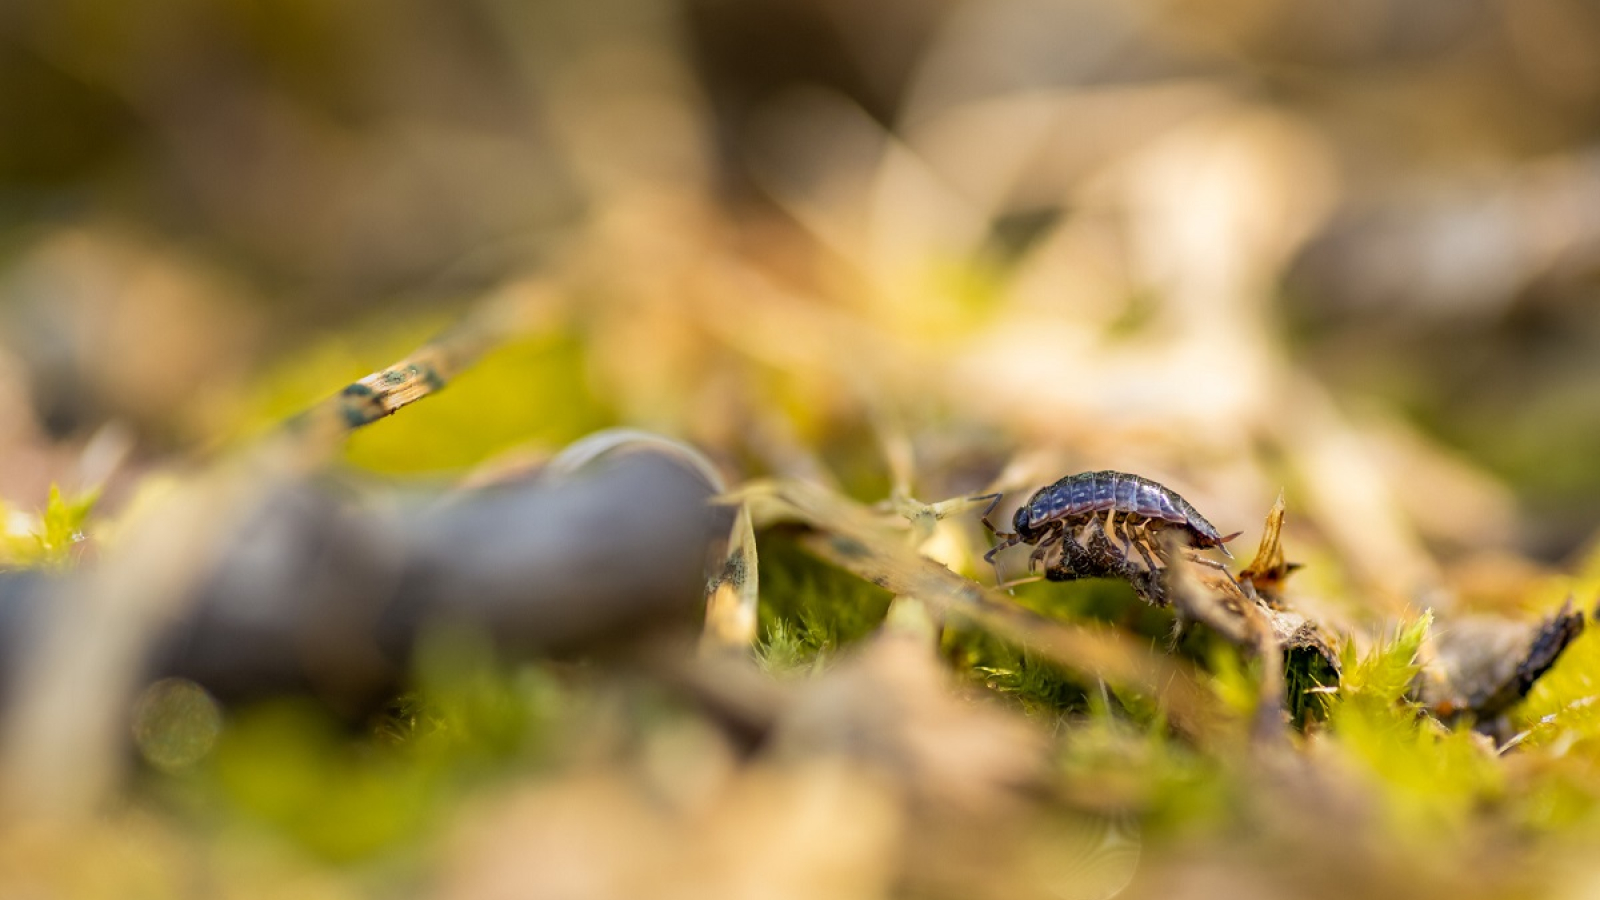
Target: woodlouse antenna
{"points": [[1221, 542]]}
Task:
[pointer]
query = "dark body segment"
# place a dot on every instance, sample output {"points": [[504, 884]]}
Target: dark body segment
{"points": [[1081, 491], [1127, 495], [1056, 505], [1105, 490], [1153, 503]]}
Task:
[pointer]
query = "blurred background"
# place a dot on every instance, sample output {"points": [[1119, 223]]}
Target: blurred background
{"points": [[1346, 251]]}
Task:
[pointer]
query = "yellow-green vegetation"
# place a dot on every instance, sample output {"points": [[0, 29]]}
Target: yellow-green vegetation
{"points": [[1560, 711], [809, 611], [48, 539], [378, 790], [299, 301], [1432, 778], [534, 392], [372, 799], [1035, 684]]}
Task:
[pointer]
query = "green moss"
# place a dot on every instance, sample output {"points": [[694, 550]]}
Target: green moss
{"points": [[1428, 778], [1308, 678], [287, 767], [1562, 704], [1385, 674], [1037, 686], [809, 609], [783, 648], [1125, 763], [355, 795], [1235, 679], [1096, 599], [467, 707], [54, 535]]}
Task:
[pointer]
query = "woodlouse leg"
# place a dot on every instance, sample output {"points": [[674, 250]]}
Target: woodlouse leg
{"points": [[1070, 543], [993, 563], [1204, 561], [994, 500], [1009, 540], [1144, 551], [1124, 531], [1042, 548], [1087, 532], [1071, 551], [1123, 528], [1006, 586], [1194, 557]]}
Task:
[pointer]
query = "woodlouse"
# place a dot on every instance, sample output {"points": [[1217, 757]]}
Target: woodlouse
{"points": [[1066, 513]]}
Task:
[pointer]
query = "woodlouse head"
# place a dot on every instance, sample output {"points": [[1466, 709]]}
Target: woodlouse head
{"points": [[1019, 524], [1221, 541]]}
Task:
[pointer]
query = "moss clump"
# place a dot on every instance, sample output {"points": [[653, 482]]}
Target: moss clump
{"points": [[51, 537], [809, 609]]}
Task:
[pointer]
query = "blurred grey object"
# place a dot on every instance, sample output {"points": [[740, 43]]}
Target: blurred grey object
{"points": [[315, 590]]}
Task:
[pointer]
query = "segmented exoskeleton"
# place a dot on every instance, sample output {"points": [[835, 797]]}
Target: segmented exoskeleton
{"points": [[1066, 514]]}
